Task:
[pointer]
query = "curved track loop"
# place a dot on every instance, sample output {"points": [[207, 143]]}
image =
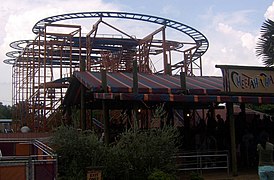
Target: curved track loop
{"points": [[13, 54], [198, 37], [9, 61], [20, 44]]}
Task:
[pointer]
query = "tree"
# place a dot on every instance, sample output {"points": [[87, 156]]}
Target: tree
{"points": [[265, 45], [135, 155], [5, 111]]}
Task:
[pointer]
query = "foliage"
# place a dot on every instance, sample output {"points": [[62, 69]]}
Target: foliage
{"points": [[135, 156], [265, 108], [265, 45], [76, 151], [116, 164], [195, 176], [159, 116], [143, 151], [5, 111], [75, 116], [160, 175]]}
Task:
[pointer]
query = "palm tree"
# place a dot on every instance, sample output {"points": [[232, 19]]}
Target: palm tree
{"points": [[265, 45]]}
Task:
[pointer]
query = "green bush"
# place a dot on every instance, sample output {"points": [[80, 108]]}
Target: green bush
{"points": [[76, 150], [143, 151], [195, 176], [160, 175], [135, 156]]}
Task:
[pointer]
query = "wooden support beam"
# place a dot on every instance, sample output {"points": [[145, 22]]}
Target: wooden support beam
{"points": [[183, 80], [164, 51], [83, 108], [150, 36], [106, 121], [105, 106], [230, 113], [135, 91]]}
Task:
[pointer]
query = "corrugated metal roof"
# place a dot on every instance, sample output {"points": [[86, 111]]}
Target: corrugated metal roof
{"points": [[122, 82], [157, 87]]}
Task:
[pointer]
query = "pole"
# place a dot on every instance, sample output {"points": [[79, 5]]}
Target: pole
{"points": [[230, 113], [135, 91], [105, 106], [83, 108]]}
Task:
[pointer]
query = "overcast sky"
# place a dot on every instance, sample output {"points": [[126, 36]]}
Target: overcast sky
{"points": [[232, 27]]}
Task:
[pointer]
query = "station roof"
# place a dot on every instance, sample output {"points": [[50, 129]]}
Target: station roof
{"points": [[156, 88]]}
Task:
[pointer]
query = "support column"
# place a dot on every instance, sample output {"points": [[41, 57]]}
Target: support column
{"points": [[83, 108], [135, 77], [187, 135], [91, 119], [135, 91], [106, 120], [105, 106], [230, 113], [183, 80], [68, 116], [164, 51]]}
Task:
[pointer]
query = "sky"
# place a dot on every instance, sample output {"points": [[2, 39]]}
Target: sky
{"points": [[232, 27]]}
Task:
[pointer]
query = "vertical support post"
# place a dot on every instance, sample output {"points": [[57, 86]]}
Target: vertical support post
{"points": [[30, 169], [135, 91], [106, 120], [104, 80], [91, 120], [164, 51], [169, 70], [44, 80], [81, 59], [229, 107], [83, 89], [201, 69], [183, 80], [83, 108], [68, 118], [105, 106], [135, 77], [187, 137]]}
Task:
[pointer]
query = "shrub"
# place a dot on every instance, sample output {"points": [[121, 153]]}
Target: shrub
{"points": [[160, 175], [195, 176], [135, 156], [76, 151], [143, 151]]}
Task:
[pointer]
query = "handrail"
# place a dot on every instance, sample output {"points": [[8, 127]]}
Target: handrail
{"points": [[199, 160]]}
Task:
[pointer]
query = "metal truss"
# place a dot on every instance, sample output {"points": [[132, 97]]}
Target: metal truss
{"points": [[42, 67]]}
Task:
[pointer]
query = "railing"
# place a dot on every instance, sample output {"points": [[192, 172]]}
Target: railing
{"points": [[23, 136], [28, 167], [204, 160], [37, 162]]}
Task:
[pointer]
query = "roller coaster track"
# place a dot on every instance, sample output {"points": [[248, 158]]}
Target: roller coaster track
{"points": [[200, 40], [34, 60]]}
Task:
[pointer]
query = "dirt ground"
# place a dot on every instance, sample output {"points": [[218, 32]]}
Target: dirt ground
{"points": [[222, 175]]}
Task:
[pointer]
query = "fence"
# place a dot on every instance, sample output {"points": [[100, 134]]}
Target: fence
{"points": [[41, 165], [205, 160]]}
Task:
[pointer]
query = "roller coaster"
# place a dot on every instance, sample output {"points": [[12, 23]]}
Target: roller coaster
{"points": [[42, 67]]}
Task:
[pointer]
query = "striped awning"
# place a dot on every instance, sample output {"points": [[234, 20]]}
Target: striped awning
{"points": [[157, 88], [184, 98], [122, 82]]}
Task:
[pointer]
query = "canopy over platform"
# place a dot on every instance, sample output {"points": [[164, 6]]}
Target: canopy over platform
{"points": [[156, 88]]}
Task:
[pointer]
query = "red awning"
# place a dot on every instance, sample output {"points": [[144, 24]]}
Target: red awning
{"points": [[184, 98], [157, 88], [122, 82]]}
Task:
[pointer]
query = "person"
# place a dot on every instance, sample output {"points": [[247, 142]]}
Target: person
{"points": [[265, 151]]}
